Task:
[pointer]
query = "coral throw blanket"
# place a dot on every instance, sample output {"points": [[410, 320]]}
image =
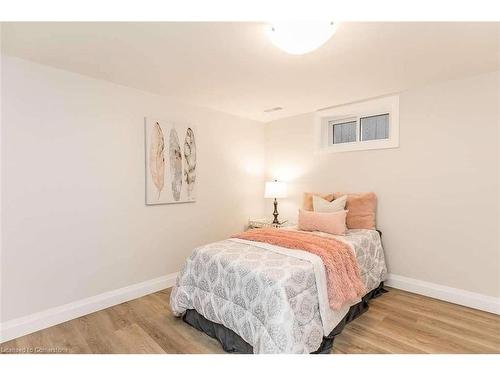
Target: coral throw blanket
{"points": [[344, 284]]}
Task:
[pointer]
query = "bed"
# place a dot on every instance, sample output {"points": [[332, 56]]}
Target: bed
{"points": [[256, 297]]}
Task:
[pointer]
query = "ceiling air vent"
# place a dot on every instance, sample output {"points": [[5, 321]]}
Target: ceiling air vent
{"points": [[269, 110]]}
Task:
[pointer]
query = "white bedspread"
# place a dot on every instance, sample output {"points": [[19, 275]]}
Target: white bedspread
{"points": [[274, 298], [329, 318]]}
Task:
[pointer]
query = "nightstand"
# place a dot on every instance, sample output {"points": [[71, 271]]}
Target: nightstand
{"points": [[266, 223]]}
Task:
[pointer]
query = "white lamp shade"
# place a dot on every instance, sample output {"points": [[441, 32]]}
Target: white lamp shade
{"points": [[275, 189]]}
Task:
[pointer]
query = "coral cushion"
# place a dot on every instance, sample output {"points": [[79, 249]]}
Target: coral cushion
{"points": [[308, 200], [328, 222], [361, 210]]}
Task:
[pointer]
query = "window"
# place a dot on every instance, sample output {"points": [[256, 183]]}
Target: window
{"points": [[374, 127], [367, 125], [344, 132]]}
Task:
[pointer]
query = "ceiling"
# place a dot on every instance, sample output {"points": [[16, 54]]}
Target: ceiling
{"points": [[232, 67]]}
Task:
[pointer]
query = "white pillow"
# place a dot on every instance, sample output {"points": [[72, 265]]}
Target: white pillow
{"points": [[322, 205]]}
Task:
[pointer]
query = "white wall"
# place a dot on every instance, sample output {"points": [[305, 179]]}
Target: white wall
{"points": [[74, 223], [1, 183], [74, 219], [438, 192]]}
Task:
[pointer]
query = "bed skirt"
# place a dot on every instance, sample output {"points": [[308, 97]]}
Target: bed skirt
{"points": [[233, 343]]}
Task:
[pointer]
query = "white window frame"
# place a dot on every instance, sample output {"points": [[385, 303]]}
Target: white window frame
{"points": [[386, 105]]}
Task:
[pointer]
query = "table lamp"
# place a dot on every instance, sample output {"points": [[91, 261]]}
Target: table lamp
{"points": [[275, 189]]}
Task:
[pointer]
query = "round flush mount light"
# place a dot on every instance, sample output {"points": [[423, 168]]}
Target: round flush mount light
{"points": [[300, 37]]}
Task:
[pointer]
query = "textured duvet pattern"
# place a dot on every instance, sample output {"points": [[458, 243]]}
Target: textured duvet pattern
{"points": [[269, 299], [337, 259], [367, 246]]}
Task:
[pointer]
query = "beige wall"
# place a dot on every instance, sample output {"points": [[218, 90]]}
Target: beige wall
{"points": [[74, 222], [439, 202], [73, 218]]}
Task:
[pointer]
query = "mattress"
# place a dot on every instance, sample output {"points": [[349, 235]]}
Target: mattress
{"points": [[268, 296]]}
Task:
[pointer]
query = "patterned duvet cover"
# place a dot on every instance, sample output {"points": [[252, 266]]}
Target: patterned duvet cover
{"points": [[267, 295]]}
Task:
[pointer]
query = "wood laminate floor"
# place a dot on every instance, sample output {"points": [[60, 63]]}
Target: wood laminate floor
{"points": [[397, 322]]}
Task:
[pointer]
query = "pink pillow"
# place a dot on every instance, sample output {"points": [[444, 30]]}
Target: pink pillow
{"points": [[361, 207], [328, 222]]}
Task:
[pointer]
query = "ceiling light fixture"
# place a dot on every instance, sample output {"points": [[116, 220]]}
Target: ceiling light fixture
{"points": [[300, 37]]}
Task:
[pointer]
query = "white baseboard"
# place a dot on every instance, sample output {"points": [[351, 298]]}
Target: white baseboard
{"points": [[22, 326], [445, 293], [14, 328]]}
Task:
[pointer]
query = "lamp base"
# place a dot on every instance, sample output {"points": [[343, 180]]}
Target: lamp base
{"points": [[275, 213]]}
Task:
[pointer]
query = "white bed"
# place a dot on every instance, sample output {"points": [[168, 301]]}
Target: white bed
{"points": [[272, 297]]}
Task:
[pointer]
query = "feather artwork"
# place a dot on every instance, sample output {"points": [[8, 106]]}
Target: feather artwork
{"points": [[157, 158], [189, 161], [175, 164]]}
